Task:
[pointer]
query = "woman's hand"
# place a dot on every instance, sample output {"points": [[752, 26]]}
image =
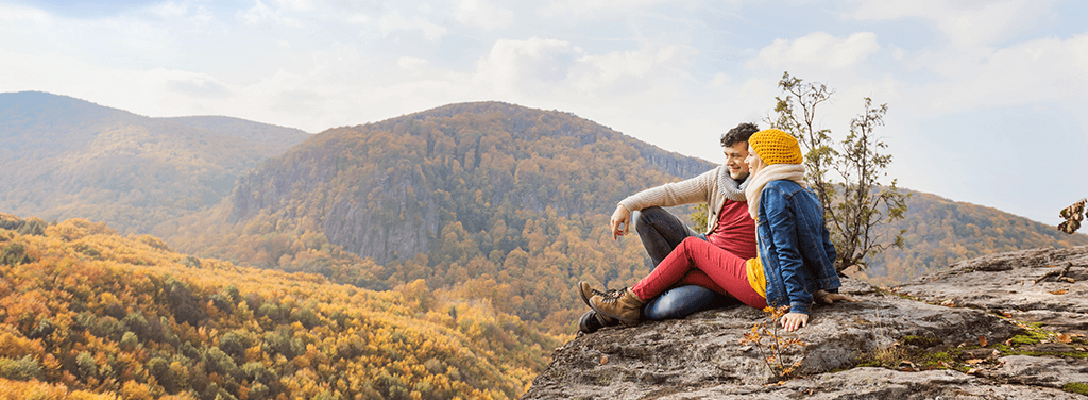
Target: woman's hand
{"points": [[794, 321]]}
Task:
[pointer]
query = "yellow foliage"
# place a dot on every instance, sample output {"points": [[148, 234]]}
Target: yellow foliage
{"points": [[288, 334]]}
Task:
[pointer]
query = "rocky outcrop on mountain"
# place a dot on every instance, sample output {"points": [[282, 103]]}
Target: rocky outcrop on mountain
{"points": [[965, 333], [385, 190], [1046, 286]]}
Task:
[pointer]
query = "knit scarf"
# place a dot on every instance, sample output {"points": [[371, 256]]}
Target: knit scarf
{"points": [[728, 187], [776, 172]]}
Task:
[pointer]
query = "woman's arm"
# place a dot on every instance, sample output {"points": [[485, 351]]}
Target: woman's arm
{"points": [[782, 222]]}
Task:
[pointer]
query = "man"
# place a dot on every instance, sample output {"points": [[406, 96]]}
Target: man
{"points": [[728, 225]]}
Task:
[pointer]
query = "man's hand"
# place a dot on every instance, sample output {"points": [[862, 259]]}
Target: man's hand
{"points": [[794, 321], [621, 221]]}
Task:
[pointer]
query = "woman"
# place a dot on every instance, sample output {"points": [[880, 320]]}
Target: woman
{"points": [[795, 259]]}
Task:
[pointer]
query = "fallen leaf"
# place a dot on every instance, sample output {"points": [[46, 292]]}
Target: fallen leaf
{"points": [[1059, 291], [604, 359], [975, 361], [1008, 342], [1064, 338], [982, 341]]}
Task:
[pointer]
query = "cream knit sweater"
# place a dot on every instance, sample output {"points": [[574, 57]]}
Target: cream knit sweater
{"points": [[700, 189]]}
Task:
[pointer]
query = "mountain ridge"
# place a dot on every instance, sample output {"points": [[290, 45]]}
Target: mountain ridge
{"points": [[64, 157]]}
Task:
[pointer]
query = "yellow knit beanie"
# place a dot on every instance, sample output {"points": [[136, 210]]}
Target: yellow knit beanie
{"points": [[776, 147]]}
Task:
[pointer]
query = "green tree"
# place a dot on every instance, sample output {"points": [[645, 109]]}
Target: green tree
{"points": [[857, 203]]}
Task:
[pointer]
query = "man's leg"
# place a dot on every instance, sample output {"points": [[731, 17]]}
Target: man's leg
{"points": [[660, 232], [683, 301]]}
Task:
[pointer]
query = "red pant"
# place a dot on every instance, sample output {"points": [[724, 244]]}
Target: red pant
{"points": [[696, 261]]}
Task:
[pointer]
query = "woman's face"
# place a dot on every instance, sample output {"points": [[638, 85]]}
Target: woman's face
{"points": [[754, 162]]}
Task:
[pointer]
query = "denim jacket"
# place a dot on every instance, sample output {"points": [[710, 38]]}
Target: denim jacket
{"points": [[794, 246]]}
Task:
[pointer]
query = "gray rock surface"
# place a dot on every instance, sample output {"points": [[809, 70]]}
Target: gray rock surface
{"points": [[1038, 285], [931, 350]]}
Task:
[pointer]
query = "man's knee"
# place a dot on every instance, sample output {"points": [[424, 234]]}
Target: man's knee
{"points": [[680, 302], [648, 218]]}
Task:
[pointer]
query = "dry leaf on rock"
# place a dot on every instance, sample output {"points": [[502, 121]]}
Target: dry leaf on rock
{"points": [[1059, 291]]}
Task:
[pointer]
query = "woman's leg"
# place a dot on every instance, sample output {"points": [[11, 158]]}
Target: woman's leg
{"points": [[660, 232], [725, 269]]}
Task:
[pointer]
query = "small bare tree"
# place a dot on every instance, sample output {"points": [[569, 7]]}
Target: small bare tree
{"points": [[865, 203], [856, 205]]}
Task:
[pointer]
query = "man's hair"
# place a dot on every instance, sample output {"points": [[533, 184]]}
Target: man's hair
{"points": [[739, 134]]}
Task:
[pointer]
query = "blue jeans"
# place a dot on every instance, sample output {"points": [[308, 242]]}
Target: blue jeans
{"points": [[661, 232]]}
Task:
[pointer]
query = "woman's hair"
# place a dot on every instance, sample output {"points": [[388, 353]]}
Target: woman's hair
{"points": [[739, 134]]}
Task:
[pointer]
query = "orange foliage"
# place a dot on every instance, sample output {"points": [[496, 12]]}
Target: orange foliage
{"points": [[103, 315]]}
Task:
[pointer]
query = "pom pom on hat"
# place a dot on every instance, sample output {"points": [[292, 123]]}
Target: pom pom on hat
{"points": [[776, 147]]}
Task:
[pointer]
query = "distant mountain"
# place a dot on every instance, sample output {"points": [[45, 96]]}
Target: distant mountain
{"points": [[940, 232], [385, 190], [62, 157]]}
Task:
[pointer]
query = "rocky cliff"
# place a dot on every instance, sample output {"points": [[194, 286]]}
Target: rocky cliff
{"points": [[1004, 326]]}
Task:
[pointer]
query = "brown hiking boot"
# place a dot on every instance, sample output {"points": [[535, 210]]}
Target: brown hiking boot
{"points": [[586, 291], [626, 307]]}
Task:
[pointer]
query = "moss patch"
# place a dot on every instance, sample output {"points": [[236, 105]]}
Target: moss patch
{"points": [[1076, 387], [920, 341]]}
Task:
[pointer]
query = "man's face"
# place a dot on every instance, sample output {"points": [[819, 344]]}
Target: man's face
{"points": [[734, 160]]}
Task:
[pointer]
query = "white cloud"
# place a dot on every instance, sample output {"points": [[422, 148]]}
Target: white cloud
{"points": [[618, 73], [17, 13], [965, 22], [170, 9], [1037, 70], [296, 5], [594, 8], [260, 12], [526, 65], [484, 15], [818, 49], [411, 63], [395, 22], [543, 67]]}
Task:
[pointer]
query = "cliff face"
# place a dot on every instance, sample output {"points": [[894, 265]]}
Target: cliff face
{"points": [[1009, 325]]}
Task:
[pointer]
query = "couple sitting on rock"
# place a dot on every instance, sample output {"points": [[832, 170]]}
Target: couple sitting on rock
{"points": [[766, 242]]}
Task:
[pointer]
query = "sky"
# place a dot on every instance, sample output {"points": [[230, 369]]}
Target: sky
{"points": [[987, 99]]}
